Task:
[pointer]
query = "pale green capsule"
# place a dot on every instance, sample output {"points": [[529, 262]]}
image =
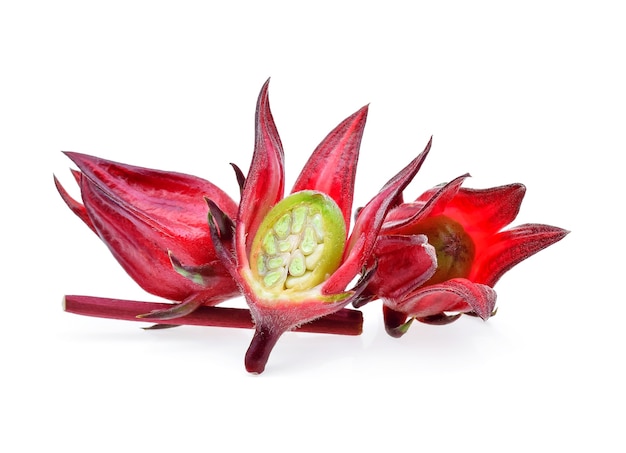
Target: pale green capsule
{"points": [[299, 243]]}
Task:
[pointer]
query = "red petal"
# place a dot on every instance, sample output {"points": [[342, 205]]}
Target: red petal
{"points": [[508, 248], [403, 219], [368, 224], [483, 212], [74, 205], [331, 168], [168, 200], [224, 250], [455, 295], [265, 182], [141, 247], [404, 263], [141, 214]]}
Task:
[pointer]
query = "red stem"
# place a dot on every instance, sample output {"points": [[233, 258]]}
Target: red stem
{"points": [[343, 322], [260, 349]]}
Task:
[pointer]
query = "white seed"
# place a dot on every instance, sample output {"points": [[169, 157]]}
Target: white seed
{"points": [[309, 241], [297, 266], [317, 222], [270, 244], [289, 244], [302, 282], [275, 278], [276, 261], [299, 219], [314, 258], [283, 226], [260, 265]]}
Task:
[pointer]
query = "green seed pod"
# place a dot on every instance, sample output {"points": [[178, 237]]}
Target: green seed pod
{"points": [[299, 244], [455, 248]]}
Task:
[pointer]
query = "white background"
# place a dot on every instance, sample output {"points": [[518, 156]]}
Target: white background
{"points": [[532, 93]]}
